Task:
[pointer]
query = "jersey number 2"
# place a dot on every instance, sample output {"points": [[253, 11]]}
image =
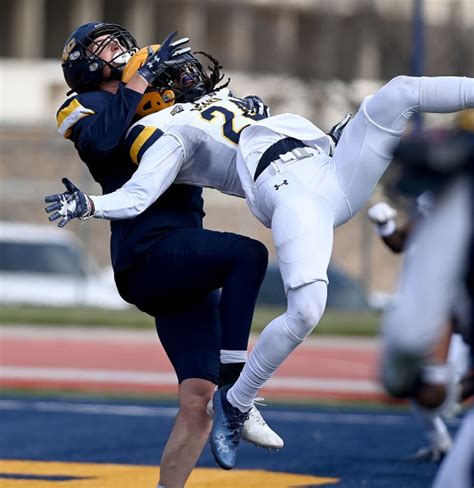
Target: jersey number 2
{"points": [[228, 127]]}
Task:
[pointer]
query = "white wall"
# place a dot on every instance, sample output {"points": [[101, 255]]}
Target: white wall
{"points": [[30, 92]]}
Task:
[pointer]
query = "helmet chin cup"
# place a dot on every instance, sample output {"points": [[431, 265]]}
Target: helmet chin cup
{"points": [[122, 59]]}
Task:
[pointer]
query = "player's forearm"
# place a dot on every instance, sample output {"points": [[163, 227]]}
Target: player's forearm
{"points": [[157, 171], [137, 83]]}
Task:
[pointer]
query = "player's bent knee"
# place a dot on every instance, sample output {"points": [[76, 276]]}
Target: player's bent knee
{"points": [[306, 306], [250, 252], [194, 410], [195, 391], [403, 91], [193, 405]]}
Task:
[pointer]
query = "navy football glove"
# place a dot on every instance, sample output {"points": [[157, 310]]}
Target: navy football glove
{"points": [[72, 204], [257, 106], [167, 55]]}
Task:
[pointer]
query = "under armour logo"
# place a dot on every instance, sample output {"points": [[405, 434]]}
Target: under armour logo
{"points": [[220, 439], [153, 60], [285, 182]]}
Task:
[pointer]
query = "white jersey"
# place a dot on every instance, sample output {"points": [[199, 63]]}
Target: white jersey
{"points": [[208, 131], [190, 143], [196, 143]]}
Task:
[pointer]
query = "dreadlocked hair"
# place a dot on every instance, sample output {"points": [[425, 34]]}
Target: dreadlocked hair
{"points": [[215, 77]]}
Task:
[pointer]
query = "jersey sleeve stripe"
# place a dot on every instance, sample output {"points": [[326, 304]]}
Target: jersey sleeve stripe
{"points": [[140, 139], [69, 115]]}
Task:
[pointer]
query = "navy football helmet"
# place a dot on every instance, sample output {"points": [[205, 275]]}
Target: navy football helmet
{"points": [[83, 71]]}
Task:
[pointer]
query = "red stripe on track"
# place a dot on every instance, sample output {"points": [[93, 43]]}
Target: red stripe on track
{"points": [[351, 364]]}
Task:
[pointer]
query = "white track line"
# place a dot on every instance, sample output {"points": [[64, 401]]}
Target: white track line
{"points": [[156, 378], [77, 333], [148, 411]]}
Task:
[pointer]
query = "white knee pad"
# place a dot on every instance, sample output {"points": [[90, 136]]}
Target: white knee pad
{"points": [[394, 103], [306, 305]]}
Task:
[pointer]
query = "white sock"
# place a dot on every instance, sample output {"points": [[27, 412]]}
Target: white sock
{"points": [[231, 356], [443, 94], [274, 345]]}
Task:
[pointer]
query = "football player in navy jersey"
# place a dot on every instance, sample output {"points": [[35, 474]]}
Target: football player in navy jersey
{"points": [[164, 261]]}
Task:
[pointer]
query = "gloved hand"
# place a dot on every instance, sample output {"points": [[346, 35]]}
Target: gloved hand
{"points": [[167, 55], [72, 204], [383, 216], [256, 105]]}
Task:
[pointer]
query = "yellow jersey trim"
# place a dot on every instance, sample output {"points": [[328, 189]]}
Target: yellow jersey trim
{"points": [[69, 115], [140, 141]]}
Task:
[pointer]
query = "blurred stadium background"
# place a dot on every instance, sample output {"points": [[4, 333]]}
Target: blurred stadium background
{"points": [[318, 58]]}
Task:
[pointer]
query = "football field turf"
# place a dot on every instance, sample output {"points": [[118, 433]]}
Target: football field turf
{"points": [[73, 443]]}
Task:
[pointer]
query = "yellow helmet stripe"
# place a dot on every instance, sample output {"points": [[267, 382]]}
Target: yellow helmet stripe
{"points": [[140, 139], [69, 115]]}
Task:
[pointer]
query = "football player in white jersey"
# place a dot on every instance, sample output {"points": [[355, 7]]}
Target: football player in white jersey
{"points": [[293, 183]]}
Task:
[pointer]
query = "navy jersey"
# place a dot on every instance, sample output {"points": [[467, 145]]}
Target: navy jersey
{"points": [[96, 122]]}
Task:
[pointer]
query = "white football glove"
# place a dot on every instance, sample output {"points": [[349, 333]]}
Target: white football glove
{"points": [[383, 216]]}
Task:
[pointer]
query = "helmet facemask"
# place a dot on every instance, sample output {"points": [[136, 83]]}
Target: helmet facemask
{"points": [[189, 80], [82, 66], [123, 39]]}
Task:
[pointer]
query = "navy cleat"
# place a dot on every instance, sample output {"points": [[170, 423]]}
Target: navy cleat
{"points": [[226, 429]]}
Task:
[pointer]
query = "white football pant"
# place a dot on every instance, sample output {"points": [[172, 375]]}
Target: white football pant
{"points": [[307, 198]]}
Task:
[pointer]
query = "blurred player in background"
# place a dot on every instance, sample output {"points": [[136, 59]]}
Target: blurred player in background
{"points": [[292, 181], [438, 278], [164, 262], [451, 347]]}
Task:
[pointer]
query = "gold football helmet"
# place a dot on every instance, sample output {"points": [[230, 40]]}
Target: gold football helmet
{"points": [[154, 99]]}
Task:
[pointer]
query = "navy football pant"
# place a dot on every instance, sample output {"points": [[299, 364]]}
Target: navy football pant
{"points": [[176, 282]]}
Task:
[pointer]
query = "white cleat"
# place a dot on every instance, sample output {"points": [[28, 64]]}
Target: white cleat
{"points": [[256, 430], [430, 454]]}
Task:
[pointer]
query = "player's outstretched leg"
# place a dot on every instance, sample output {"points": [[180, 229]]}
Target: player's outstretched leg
{"points": [[256, 430], [226, 429]]}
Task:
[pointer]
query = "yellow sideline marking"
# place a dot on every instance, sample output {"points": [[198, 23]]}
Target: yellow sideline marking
{"points": [[130, 476]]}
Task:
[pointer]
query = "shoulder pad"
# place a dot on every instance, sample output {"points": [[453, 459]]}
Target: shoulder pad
{"points": [[77, 107]]}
